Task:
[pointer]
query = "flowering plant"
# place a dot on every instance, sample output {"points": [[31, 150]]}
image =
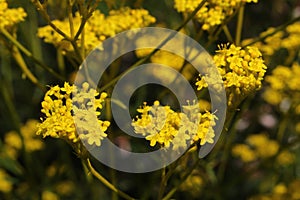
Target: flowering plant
{"points": [[58, 121]]}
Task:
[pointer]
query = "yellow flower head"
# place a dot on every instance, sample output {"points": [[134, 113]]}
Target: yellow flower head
{"points": [[98, 27], [10, 16], [258, 146], [283, 84], [5, 185], [212, 13], [160, 124], [61, 110], [242, 71]]}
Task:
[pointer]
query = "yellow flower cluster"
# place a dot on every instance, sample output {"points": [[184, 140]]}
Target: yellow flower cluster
{"points": [[5, 185], [10, 16], [260, 146], [213, 13], [64, 105], [284, 85], [160, 124], [242, 71], [287, 39], [281, 191], [98, 27], [13, 141]]}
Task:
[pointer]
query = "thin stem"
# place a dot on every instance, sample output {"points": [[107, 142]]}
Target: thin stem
{"points": [[163, 184], [70, 15], [172, 168], [85, 16], [82, 41], [141, 61], [60, 62], [282, 127], [19, 59], [106, 182], [45, 15], [228, 34], [108, 116], [29, 54], [239, 28]]}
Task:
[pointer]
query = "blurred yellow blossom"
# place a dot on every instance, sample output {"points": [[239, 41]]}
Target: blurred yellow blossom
{"points": [[98, 27], [282, 191], [5, 185], [49, 195], [257, 146], [244, 152], [283, 84], [63, 105], [261, 142], [285, 157], [242, 71], [213, 12], [286, 39], [10, 16], [65, 188], [13, 141], [160, 124]]}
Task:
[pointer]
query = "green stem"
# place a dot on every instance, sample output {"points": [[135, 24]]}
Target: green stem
{"points": [[108, 116], [45, 15], [85, 16], [171, 170], [70, 15], [29, 54], [214, 35], [20, 61], [163, 184], [228, 34], [106, 182], [60, 62], [282, 127], [239, 28]]}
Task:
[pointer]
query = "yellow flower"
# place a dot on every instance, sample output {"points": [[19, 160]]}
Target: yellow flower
{"points": [[260, 142], [5, 184], [244, 152], [32, 143], [285, 158], [283, 83], [242, 71], [160, 124], [65, 188], [286, 39], [10, 16], [48, 195], [98, 27], [212, 13], [61, 110], [280, 189], [13, 139]]}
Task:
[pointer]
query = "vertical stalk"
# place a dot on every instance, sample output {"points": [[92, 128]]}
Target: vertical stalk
{"points": [[20, 61], [239, 25]]}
